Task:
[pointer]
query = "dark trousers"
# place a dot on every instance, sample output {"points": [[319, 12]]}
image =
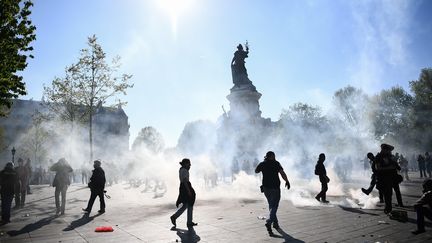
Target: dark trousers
{"points": [[20, 196], [422, 172], [387, 191], [398, 193], [60, 190], [372, 185], [94, 194], [6, 204], [273, 197], [322, 194], [422, 212]]}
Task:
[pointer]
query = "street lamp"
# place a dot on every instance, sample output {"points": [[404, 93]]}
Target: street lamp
{"points": [[13, 154]]}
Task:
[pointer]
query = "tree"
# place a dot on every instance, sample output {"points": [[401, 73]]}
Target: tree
{"points": [[353, 103], [149, 138], [305, 115], [97, 81], [391, 116], [16, 34], [197, 137], [33, 144], [422, 111]]}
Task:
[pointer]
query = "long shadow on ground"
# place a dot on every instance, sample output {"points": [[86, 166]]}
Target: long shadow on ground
{"points": [[32, 227], [355, 210], [187, 236], [80, 222], [286, 237]]}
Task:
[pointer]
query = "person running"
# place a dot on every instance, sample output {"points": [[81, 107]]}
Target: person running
{"points": [[97, 186], [271, 169]]}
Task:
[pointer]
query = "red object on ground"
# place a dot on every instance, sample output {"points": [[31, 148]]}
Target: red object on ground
{"points": [[104, 229]]}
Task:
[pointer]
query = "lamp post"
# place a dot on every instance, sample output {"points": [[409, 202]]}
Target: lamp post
{"points": [[13, 154]]}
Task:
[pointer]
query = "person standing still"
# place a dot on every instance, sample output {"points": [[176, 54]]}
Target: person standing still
{"points": [[186, 195], [271, 169], [322, 173], [8, 180], [97, 186], [61, 183]]}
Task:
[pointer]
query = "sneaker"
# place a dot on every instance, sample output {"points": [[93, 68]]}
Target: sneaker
{"points": [[317, 198], [325, 201], [101, 211], [418, 231], [365, 191], [276, 225], [192, 224], [173, 221], [268, 226], [85, 210]]}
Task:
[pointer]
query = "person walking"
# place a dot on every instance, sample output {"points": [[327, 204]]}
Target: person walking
{"points": [[186, 195], [97, 186], [421, 165], [8, 180], [271, 169], [61, 183], [21, 186], [322, 173]]}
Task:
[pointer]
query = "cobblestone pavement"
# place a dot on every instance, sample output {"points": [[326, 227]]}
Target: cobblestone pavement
{"points": [[222, 220]]}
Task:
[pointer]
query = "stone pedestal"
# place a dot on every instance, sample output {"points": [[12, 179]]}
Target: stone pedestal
{"points": [[244, 103]]}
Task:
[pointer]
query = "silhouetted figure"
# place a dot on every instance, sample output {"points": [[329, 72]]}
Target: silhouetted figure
{"points": [[386, 169], [422, 165], [423, 207], [403, 162], [322, 173], [428, 164], [186, 195], [29, 175], [271, 169], [97, 186], [21, 187], [61, 183], [373, 182], [396, 181], [8, 180]]}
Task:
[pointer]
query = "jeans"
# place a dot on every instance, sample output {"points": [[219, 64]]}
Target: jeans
{"points": [[421, 213], [6, 203], [322, 194], [273, 196], [62, 190], [94, 194], [181, 210]]}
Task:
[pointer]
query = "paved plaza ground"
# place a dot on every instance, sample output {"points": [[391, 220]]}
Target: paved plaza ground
{"points": [[219, 220]]}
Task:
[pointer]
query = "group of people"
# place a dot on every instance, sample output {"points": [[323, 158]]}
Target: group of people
{"points": [[385, 176], [14, 182]]}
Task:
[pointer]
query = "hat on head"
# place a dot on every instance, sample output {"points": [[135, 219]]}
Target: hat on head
{"points": [[184, 161], [387, 147]]}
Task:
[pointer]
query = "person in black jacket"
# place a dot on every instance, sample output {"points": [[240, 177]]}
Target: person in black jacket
{"points": [[97, 186], [322, 173], [8, 181], [423, 207], [373, 182], [386, 169]]}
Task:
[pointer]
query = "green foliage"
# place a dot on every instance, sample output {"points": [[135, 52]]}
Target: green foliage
{"points": [[304, 115], [422, 110], [149, 138], [16, 34], [352, 102], [392, 114]]}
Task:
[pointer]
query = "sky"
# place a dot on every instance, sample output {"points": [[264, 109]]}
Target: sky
{"points": [[179, 51]]}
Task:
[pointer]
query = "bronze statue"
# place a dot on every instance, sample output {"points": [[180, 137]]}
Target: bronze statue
{"points": [[239, 72]]}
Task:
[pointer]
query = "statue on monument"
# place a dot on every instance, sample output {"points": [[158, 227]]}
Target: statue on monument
{"points": [[238, 69]]}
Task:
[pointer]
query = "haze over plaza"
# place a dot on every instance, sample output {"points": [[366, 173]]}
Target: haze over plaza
{"points": [[178, 51]]}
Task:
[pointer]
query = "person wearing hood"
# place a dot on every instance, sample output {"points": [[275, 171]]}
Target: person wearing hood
{"points": [[8, 181], [61, 183], [320, 171]]}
